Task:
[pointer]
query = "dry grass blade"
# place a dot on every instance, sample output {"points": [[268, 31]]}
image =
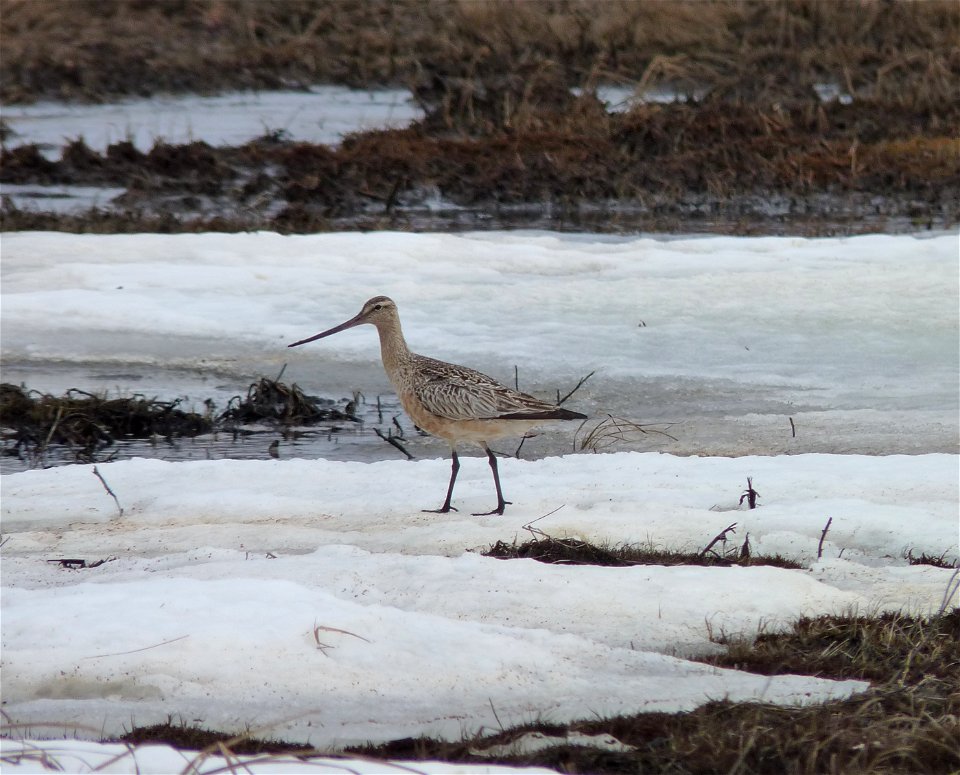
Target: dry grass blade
{"points": [[576, 387], [136, 651], [393, 442], [721, 537], [31, 754], [952, 590], [11, 730], [106, 486], [750, 495], [616, 430], [823, 536], [318, 628], [537, 532]]}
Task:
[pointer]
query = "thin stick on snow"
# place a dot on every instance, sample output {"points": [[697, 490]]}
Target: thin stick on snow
{"points": [[324, 646], [56, 422], [535, 531], [499, 723], [134, 651], [823, 535], [721, 536], [106, 486], [953, 586], [576, 387], [392, 440], [318, 627]]}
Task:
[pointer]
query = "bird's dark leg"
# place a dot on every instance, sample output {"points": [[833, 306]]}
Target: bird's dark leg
{"points": [[453, 478], [501, 503]]}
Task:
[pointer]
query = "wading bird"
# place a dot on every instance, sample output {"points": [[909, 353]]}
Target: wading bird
{"points": [[453, 402]]}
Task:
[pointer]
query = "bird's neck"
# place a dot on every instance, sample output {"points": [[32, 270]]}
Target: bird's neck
{"points": [[393, 348]]}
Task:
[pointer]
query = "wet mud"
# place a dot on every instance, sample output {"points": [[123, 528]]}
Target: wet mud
{"points": [[814, 169]]}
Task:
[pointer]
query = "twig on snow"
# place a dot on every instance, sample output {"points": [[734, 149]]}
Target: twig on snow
{"points": [[823, 535], [575, 388], [135, 651], [536, 532], [721, 536], [393, 441], [106, 486], [750, 495], [953, 586]]}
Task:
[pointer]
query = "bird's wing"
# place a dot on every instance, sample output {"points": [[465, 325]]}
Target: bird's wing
{"points": [[459, 393]]}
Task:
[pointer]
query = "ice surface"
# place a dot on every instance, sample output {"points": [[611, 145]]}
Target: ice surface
{"points": [[855, 339], [322, 114]]}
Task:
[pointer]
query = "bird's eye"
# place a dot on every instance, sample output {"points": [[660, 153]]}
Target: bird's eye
{"points": [[378, 306]]}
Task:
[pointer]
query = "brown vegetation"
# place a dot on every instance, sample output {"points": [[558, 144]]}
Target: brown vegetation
{"points": [[87, 423], [503, 126], [680, 159], [571, 551], [275, 401], [906, 723], [471, 55]]}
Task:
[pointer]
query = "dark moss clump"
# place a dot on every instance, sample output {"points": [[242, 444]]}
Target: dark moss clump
{"points": [[891, 647], [195, 738], [270, 400], [88, 423], [936, 560], [570, 551]]}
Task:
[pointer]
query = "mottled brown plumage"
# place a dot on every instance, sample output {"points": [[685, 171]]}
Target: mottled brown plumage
{"points": [[453, 402]]}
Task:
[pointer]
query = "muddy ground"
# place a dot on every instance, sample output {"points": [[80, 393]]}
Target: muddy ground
{"points": [[816, 169], [513, 133]]}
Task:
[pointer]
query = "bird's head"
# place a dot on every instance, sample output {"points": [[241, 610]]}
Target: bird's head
{"points": [[376, 311]]}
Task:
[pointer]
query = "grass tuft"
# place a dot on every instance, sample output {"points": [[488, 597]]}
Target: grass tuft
{"points": [[475, 66], [193, 737], [88, 423], [906, 723], [572, 551], [936, 560]]}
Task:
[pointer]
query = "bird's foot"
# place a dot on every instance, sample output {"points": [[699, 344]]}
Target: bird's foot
{"points": [[445, 509], [498, 510]]}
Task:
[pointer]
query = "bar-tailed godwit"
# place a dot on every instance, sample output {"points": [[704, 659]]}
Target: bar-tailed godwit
{"points": [[453, 402]]}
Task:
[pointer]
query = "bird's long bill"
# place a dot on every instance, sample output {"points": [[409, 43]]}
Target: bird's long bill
{"points": [[356, 321]]}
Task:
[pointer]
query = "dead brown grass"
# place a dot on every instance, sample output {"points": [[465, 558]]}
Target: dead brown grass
{"points": [[274, 401], [656, 156], [907, 723], [572, 551], [88, 423], [484, 60], [502, 127]]}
